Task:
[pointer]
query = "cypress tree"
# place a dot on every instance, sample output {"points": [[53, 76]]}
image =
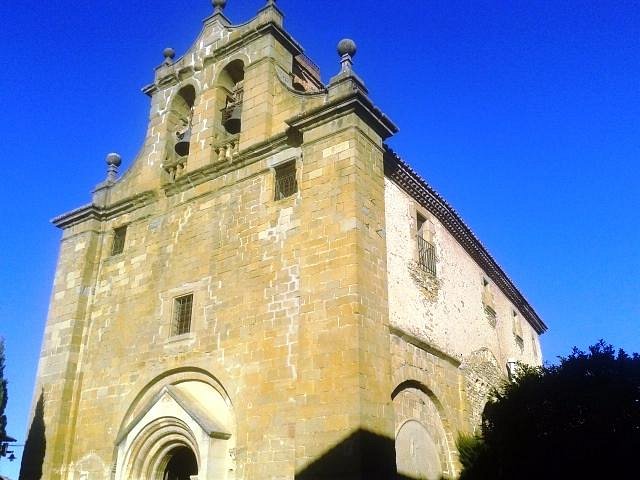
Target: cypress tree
{"points": [[3, 395]]}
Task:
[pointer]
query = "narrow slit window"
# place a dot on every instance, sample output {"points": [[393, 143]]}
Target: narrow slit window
{"points": [[119, 236], [517, 326], [420, 221], [488, 303], [286, 181], [182, 309], [491, 314]]}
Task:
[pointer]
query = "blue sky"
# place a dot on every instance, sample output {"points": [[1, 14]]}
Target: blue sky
{"points": [[524, 115]]}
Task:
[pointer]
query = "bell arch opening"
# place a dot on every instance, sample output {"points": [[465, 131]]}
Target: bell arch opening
{"points": [[231, 85], [182, 464], [180, 119], [179, 122]]}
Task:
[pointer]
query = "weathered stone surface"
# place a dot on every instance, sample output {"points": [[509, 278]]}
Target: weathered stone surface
{"points": [[315, 338]]}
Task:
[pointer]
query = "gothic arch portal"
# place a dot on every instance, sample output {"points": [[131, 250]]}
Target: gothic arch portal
{"points": [[156, 446], [184, 430]]}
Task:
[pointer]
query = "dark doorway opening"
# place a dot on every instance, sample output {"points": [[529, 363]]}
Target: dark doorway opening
{"points": [[182, 465]]}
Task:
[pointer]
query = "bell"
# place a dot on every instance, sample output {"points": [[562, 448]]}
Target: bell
{"points": [[232, 122], [182, 145]]}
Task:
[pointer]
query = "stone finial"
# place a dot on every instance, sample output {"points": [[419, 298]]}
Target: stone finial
{"points": [[346, 46], [271, 3], [113, 162], [168, 54], [347, 50], [218, 5]]}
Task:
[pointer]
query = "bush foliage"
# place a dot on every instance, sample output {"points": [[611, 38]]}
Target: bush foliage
{"points": [[577, 419]]}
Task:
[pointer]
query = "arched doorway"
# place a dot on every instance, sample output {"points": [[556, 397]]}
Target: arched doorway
{"points": [[422, 449], [416, 452], [182, 464], [182, 432]]}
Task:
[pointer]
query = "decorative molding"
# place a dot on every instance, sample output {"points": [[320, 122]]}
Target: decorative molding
{"points": [[94, 212], [357, 103], [396, 169], [425, 346], [208, 424]]}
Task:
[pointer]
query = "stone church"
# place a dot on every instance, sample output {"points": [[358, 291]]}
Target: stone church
{"points": [[269, 291]]}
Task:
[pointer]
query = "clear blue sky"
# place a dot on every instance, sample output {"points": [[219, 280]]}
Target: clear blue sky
{"points": [[524, 115]]}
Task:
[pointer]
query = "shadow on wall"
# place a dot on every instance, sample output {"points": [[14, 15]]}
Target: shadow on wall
{"points": [[35, 446], [363, 455]]}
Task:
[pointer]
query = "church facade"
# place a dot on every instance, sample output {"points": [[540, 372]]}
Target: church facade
{"points": [[269, 292]]}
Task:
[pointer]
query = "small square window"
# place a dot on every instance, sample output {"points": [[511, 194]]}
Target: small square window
{"points": [[182, 307], [119, 236], [286, 181]]}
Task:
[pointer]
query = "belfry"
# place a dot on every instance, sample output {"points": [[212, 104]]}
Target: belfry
{"points": [[269, 291]]}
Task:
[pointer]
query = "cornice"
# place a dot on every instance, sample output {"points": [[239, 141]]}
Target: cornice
{"points": [[95, 212], [267, 28], [426, 346], [357, 103], [396, 169], [78, 215]]}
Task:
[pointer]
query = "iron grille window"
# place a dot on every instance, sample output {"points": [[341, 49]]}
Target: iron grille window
{"points": [[182, 308], [426, 256], [286, 182], [119, 235]]}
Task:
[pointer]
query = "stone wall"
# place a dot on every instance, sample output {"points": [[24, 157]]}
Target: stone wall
{"points": [[448, 354], [447, 311], [235, 249]]}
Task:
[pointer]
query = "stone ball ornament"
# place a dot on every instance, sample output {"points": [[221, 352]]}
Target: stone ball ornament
{"points": [[113, 159], [169, 53], [219, 4], [346, 46]]}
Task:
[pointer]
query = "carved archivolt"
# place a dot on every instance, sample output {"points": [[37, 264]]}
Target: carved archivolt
{"points": [[188, 414]]}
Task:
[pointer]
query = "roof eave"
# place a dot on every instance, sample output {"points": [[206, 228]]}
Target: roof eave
{"points": [[413, 184]]}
